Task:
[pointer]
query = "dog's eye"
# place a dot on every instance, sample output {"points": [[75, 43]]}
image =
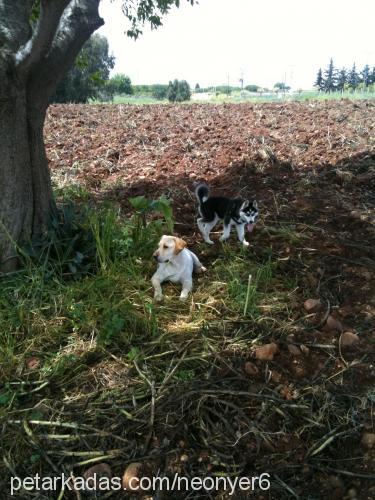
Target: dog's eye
{"points": [[166, 246]]}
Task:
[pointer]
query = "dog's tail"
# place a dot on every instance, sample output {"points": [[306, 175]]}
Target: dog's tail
{"points": [[202, 192]]}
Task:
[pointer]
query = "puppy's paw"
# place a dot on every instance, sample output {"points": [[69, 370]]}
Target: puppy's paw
{"points": [[209, 242], [183, 297], [158, 298], [223, 238], [200, 270], [245, 243]]}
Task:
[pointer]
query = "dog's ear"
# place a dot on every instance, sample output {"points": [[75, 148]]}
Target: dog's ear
{"points": [[255, 205], [245, 204], [180, 244]]}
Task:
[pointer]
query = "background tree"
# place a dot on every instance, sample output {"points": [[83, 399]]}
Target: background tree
{"points": [[342, 79], [89, 73], [319, 82], [252, 88], [366, 76], [353, 78], [121, 84], [281, 86], [39, 41], [178, 91], [330, 78]]}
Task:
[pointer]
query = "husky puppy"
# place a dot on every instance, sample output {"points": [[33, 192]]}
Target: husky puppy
{"points": [[233, 211]]}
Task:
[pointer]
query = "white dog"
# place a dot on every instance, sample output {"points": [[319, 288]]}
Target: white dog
{"points": [[176, 264]]}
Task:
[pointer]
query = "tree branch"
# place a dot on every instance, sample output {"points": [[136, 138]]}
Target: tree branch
{"points": [[40, 43], [15, 28], [79, 21]]}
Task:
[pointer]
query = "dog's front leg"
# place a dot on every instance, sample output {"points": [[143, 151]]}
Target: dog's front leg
{"points": [[187, 285], [241, 234], [156, 283]]}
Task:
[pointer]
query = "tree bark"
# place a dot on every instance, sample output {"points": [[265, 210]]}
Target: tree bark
{"points": [[31, 65]]}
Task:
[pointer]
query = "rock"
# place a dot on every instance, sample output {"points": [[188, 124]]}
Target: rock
{"points": [[250, 368], [349, 338], [132, 477], [312, 305], [333, 324], [266, 352], [293, 349], [368, 440], [93, 474]]}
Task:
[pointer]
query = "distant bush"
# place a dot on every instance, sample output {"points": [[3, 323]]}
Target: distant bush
{"points": [[178, 91], [159, 91], [121, 84], [252, 88]]}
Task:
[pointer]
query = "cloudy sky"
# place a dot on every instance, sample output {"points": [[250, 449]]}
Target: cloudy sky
{"points": [[263, 41]]}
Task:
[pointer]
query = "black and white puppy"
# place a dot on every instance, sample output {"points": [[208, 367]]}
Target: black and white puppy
{"points": [[233, 211]]}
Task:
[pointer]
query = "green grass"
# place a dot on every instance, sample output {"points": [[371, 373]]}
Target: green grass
{"points": [[113, 368], [238, 97]]}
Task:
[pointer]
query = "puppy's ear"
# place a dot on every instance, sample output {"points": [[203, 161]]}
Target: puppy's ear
{"points": [[180, 244], [255, 205], [245, 204]]}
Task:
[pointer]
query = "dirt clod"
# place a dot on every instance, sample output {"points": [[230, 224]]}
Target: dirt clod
{"points": [[266, 352], [251, 368], [312, 305], [348, 339]]}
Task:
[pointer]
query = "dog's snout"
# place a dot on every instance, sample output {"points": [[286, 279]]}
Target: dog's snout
{"points": [[155, 255]]}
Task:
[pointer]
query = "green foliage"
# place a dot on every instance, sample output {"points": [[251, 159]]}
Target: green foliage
{"points": [[68, 248], [89, 74], [159, 91], [139, 12], [330, 78], [140, 241], [319, 82], [335, 79], [341, 80], [120, 84], [353, 78], [178, 91], [252, 88], [281, 86]]}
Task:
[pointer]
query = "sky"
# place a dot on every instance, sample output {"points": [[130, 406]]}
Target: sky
{"points": [[263, 42]]}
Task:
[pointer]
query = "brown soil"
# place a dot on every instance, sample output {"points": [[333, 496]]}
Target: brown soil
{"points": [[311, 166]]}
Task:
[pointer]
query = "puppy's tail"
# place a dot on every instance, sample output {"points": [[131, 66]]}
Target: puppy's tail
{"points": [[202, 192]]}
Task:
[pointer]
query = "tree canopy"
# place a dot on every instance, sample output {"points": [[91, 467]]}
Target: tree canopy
{"points": [[89, 73]]}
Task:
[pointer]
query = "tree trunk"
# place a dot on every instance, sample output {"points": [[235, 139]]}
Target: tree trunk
{"points": [[31, 65], [26, 194]]}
